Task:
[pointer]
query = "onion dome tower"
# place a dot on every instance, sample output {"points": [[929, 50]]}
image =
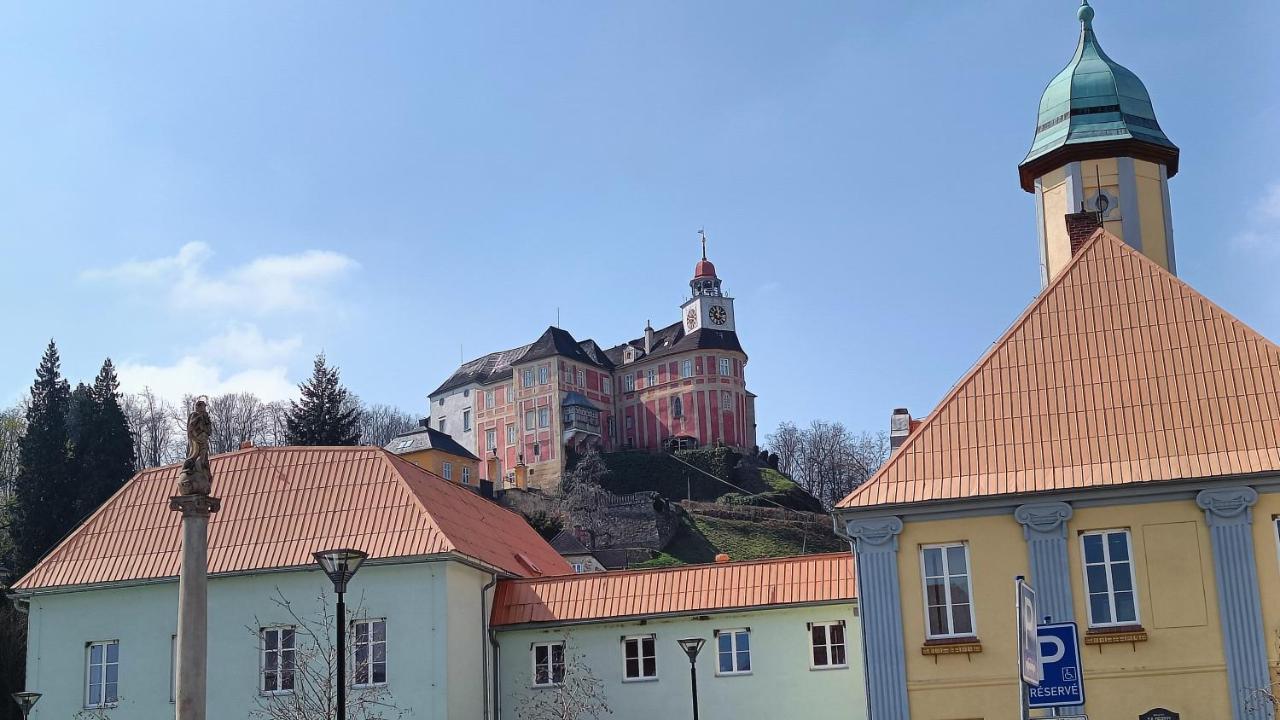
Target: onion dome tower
{"points": [[1098, 149]]}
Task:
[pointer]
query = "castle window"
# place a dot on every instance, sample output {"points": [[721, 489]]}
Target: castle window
{"points": [[529, 419], [677, 407], [544, 417], [446, 469], [606, 386], [466, 420], [651, 378], [544, 374], [629, 382], [582, 376], [527, 377], [686, 368], [490, 439], [488, 400], [726, 400], [511, 433], [726, 366]]}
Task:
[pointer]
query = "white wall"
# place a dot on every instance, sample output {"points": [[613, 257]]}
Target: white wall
{"points": [[781, 684], [432, 612], [455, 401]]}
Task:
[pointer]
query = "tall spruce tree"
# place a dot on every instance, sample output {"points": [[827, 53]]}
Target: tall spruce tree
{"points": [[326, 413], [101, 444], [44, 506]]}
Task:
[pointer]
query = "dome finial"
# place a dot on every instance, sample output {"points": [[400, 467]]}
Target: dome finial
{"points": [[1085, 13]]}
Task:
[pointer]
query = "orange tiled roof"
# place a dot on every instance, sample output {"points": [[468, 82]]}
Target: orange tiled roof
{"points": [[281, 504], [690, 589], [1119, 373]]}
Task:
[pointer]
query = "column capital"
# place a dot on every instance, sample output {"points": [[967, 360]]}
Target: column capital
{"points": [[876, 534], [195, 505], [1228, 505], [1043, 520]]}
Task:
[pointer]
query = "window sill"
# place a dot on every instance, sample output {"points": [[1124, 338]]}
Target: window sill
{"points": [[367, 686], [1112, 635], [274, 693], [743, 673], [821, 668], [951, 646], [640, 680], [550, 686]]}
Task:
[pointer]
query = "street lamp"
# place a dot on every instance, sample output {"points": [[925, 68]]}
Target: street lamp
{"points": [[341, 566], [691, 647], [26, 701]]}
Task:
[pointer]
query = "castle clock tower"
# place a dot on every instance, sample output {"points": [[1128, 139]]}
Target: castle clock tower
{"points": [[1099, 149], [708, 308]]}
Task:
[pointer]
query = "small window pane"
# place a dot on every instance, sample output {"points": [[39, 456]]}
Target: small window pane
{"points": [[955, 560], [933, 562], [819, 654], [936, 592], [1121, 578], [95, 654], [1100, 608], [1124, 607], [837, 654], [1093, 548], [938, 621], [1118, 545], [960, 590], [1097, 575], [963, 622]]}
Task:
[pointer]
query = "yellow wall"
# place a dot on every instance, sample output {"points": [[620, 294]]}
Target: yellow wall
{"points": [[1155, 243], [1057, 203], [1180, 666], [1268, 551], [433, 460]]}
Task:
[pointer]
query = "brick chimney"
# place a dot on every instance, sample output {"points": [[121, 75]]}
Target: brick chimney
{"points": [[648, 337], [1081, 226], [899, 427]]}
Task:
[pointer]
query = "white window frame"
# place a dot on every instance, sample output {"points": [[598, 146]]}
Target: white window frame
{"points": [[582, 377], [280, 650], [101, 701], [466, 475], [512, 437], [544, 374], [491, 439], [1111, 591], [366, 637], [686, 368], [488, 400], [637, 641], [629, 382], [677, 407], [526, 377], [606, 386], [440, 425], [550, 664], [829, 645], [446, 469], [544, 417], [950, 606], [466, 420], [733, 651], [726, 366], [651, 377], [530, 420], [726, 400]]}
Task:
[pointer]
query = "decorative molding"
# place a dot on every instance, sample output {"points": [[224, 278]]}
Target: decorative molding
{"points": [[968, 646], [1228, 506], [875, 534], [1113, 637], [195, 505], [1043, 519]]}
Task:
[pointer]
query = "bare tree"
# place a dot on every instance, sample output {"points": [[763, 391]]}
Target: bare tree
{"points": [[154, 433], [13, 423], [312, 669], [380, 423], [274, 428], [826, 459], [237, 418], [579, 694], [586, 499]]}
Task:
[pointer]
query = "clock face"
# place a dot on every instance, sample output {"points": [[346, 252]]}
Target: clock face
{"points": [[691, 319], [718, 315]]}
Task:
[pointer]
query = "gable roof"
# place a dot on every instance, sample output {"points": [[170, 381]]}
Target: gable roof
{"points": [[1118, 374], [491, 368], [566, 542], [281, 504], [595, 597], [427, 439], [555, 341]]}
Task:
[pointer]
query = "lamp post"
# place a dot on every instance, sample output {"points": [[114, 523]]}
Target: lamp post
{"points": [[341, 565], [26, 701], [691, 647]]}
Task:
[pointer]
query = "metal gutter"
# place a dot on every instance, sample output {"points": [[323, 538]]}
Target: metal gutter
{"points": [[672, 615]]}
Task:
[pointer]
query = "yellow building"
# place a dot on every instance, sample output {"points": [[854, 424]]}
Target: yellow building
{"points": [[438, 453], [1119, 446]]}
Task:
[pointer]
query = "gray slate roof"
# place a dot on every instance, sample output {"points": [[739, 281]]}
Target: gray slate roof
{"points": [[427, 439]]}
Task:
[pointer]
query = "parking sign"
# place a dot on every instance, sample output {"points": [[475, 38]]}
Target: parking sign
{"points": [[1029, 656], [1063, 680]]}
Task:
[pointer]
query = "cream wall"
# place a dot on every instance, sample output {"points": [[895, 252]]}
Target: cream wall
{"points": [[1265, 515], [1180, 666]]}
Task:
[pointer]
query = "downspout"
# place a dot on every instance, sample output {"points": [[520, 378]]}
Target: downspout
{"points": [[862, 624], [497, 674], [485, 634]]}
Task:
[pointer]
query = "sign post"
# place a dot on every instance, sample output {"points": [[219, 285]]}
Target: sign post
{"points": [[1029, 672], [1062, 682]]}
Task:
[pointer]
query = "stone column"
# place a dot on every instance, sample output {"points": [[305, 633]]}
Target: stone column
{"points": [[1044, 526], [875, 542], [193, 605], [1227, 511]]}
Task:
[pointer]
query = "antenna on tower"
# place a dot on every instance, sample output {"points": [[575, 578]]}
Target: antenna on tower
{"points": [[557, 316], [703, 234]]}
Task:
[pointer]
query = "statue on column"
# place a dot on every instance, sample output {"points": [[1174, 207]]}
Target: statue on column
{"points": [[197, 478]]}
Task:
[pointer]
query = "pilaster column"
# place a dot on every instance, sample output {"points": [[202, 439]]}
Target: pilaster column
{"points": [[875, 542], [1227, 511], [193, 605], [1044, 526]]}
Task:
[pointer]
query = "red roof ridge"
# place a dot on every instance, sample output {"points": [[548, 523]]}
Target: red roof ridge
{"points": [[1088, 248], [587, 576], [396, 459]]}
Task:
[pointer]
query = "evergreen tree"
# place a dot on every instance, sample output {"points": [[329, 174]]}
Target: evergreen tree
{"points": [[326, 414], [102, 445], [44, 489]]}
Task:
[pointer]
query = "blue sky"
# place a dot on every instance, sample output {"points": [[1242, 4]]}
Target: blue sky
{"points": [[210, 195]]}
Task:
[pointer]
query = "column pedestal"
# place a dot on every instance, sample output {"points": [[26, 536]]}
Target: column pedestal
{"points": [[193, 605]]}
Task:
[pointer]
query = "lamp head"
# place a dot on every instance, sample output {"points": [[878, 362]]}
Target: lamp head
{"points": [[340, 565], [26, 701], [691, 647]]}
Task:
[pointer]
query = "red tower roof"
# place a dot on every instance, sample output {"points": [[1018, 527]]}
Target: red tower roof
{"points": [[704, 269]]}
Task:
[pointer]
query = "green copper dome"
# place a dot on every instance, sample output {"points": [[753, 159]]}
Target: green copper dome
{"points": [[1095, 100]]}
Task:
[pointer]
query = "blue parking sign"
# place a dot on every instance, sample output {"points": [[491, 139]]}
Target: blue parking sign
{"points": [[1063, 683]]}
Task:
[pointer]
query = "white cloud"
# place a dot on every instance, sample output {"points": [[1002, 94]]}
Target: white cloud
{"points": [[266, 284], [195, 376], [243, 345], [1263, 230]]}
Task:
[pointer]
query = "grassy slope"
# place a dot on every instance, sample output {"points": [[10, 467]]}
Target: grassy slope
{"points": [[701, 538]]}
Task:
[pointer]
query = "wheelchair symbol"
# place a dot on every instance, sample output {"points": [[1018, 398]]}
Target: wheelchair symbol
{"points": [[1069, 674]]}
